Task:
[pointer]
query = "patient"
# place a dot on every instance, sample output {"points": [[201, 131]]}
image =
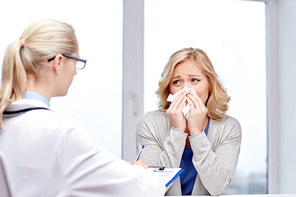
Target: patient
{"points": [[191, 130]]}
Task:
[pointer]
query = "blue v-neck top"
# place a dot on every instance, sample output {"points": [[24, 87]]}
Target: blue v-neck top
{"points": [[188, 177]]}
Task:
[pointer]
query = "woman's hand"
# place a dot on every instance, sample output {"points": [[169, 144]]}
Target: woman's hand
{"points": [[198, 112], [175, 114], [140, 162]]}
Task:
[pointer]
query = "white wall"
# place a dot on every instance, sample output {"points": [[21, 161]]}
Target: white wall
{"points": [[287, 94]]}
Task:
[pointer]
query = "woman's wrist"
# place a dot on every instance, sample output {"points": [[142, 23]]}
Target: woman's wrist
{"points": [[195, 132]]}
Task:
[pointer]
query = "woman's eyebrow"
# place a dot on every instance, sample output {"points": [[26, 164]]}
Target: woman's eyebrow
{"points": [[190, 75], [176, 76]]}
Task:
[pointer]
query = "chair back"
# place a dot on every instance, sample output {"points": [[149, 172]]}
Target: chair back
{"points": [[5, 190]]}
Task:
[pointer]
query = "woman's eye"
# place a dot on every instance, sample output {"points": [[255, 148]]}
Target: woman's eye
{"points": [[176, 82], [195, 80]]}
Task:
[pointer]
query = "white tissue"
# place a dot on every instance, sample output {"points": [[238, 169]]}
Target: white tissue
{"points": [[186, 108]]}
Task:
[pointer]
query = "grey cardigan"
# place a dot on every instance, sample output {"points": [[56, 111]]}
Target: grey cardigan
{"points": [[215, 156]]}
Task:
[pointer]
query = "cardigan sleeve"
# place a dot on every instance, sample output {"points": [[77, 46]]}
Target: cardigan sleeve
{"points": [[216, 167], [164, 145]]}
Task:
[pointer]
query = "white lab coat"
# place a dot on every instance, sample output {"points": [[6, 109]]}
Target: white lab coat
{"points": [[51, 155]]}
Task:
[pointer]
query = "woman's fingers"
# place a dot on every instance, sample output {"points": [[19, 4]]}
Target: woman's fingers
{"points": [[175, 114], [181, 103], [198, 103], [198, 112], [177, 101], [141, 163]]}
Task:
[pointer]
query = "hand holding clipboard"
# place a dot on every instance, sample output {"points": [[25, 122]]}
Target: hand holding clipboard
{"points": [[167, 175]]}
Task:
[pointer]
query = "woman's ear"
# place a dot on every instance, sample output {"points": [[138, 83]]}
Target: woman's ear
{"points": [[57, 62]]}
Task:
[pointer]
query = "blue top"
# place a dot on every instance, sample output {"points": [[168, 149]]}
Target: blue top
{"points": [[36, 96], [187, 178]]}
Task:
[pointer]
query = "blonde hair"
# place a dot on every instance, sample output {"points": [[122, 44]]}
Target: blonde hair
{"points": [[217, 102], [39, 42]]}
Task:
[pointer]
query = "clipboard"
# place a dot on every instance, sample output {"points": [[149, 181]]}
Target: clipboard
{"points": [[167, 175]]}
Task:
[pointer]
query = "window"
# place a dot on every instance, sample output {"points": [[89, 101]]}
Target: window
{"points": [[233, 34]]}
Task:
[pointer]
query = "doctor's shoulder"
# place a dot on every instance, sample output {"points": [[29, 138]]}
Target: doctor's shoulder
{"points": [[55, 122], [68, 130]]}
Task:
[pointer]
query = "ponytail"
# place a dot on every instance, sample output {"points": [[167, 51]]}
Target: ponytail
{"points": [[39, 42], [14, 77]]}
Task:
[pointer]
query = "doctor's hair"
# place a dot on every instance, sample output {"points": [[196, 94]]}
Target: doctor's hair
{"points": [[217, 102], [40, 41]]}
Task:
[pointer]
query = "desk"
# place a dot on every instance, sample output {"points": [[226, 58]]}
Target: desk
{"points": [[254, 195]]}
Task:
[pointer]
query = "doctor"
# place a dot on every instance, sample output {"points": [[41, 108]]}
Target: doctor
{"points": [[48, 154]]}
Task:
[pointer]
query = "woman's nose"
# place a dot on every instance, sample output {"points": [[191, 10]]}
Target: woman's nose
{"points": [[186, 84]]}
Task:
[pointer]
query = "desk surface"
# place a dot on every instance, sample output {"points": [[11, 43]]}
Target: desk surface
{"points": [[254, 195]]}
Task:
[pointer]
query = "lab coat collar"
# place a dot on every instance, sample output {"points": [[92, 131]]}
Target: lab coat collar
{"points": [[24, 104]]}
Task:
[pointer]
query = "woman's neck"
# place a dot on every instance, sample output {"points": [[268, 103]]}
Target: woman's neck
{"points": [[40, 87]]}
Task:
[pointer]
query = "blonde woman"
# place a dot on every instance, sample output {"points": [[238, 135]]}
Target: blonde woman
{"points": [[191, 130], [47, 153]]}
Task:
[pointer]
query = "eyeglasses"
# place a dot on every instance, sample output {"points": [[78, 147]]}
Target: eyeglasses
{"points": [[80, 63]]}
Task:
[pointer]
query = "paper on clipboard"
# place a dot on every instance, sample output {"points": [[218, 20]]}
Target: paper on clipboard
{"points": [[168, 175]]}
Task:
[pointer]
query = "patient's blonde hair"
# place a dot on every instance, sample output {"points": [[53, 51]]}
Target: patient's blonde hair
{"points": [[39, 42], [218, 99]]}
